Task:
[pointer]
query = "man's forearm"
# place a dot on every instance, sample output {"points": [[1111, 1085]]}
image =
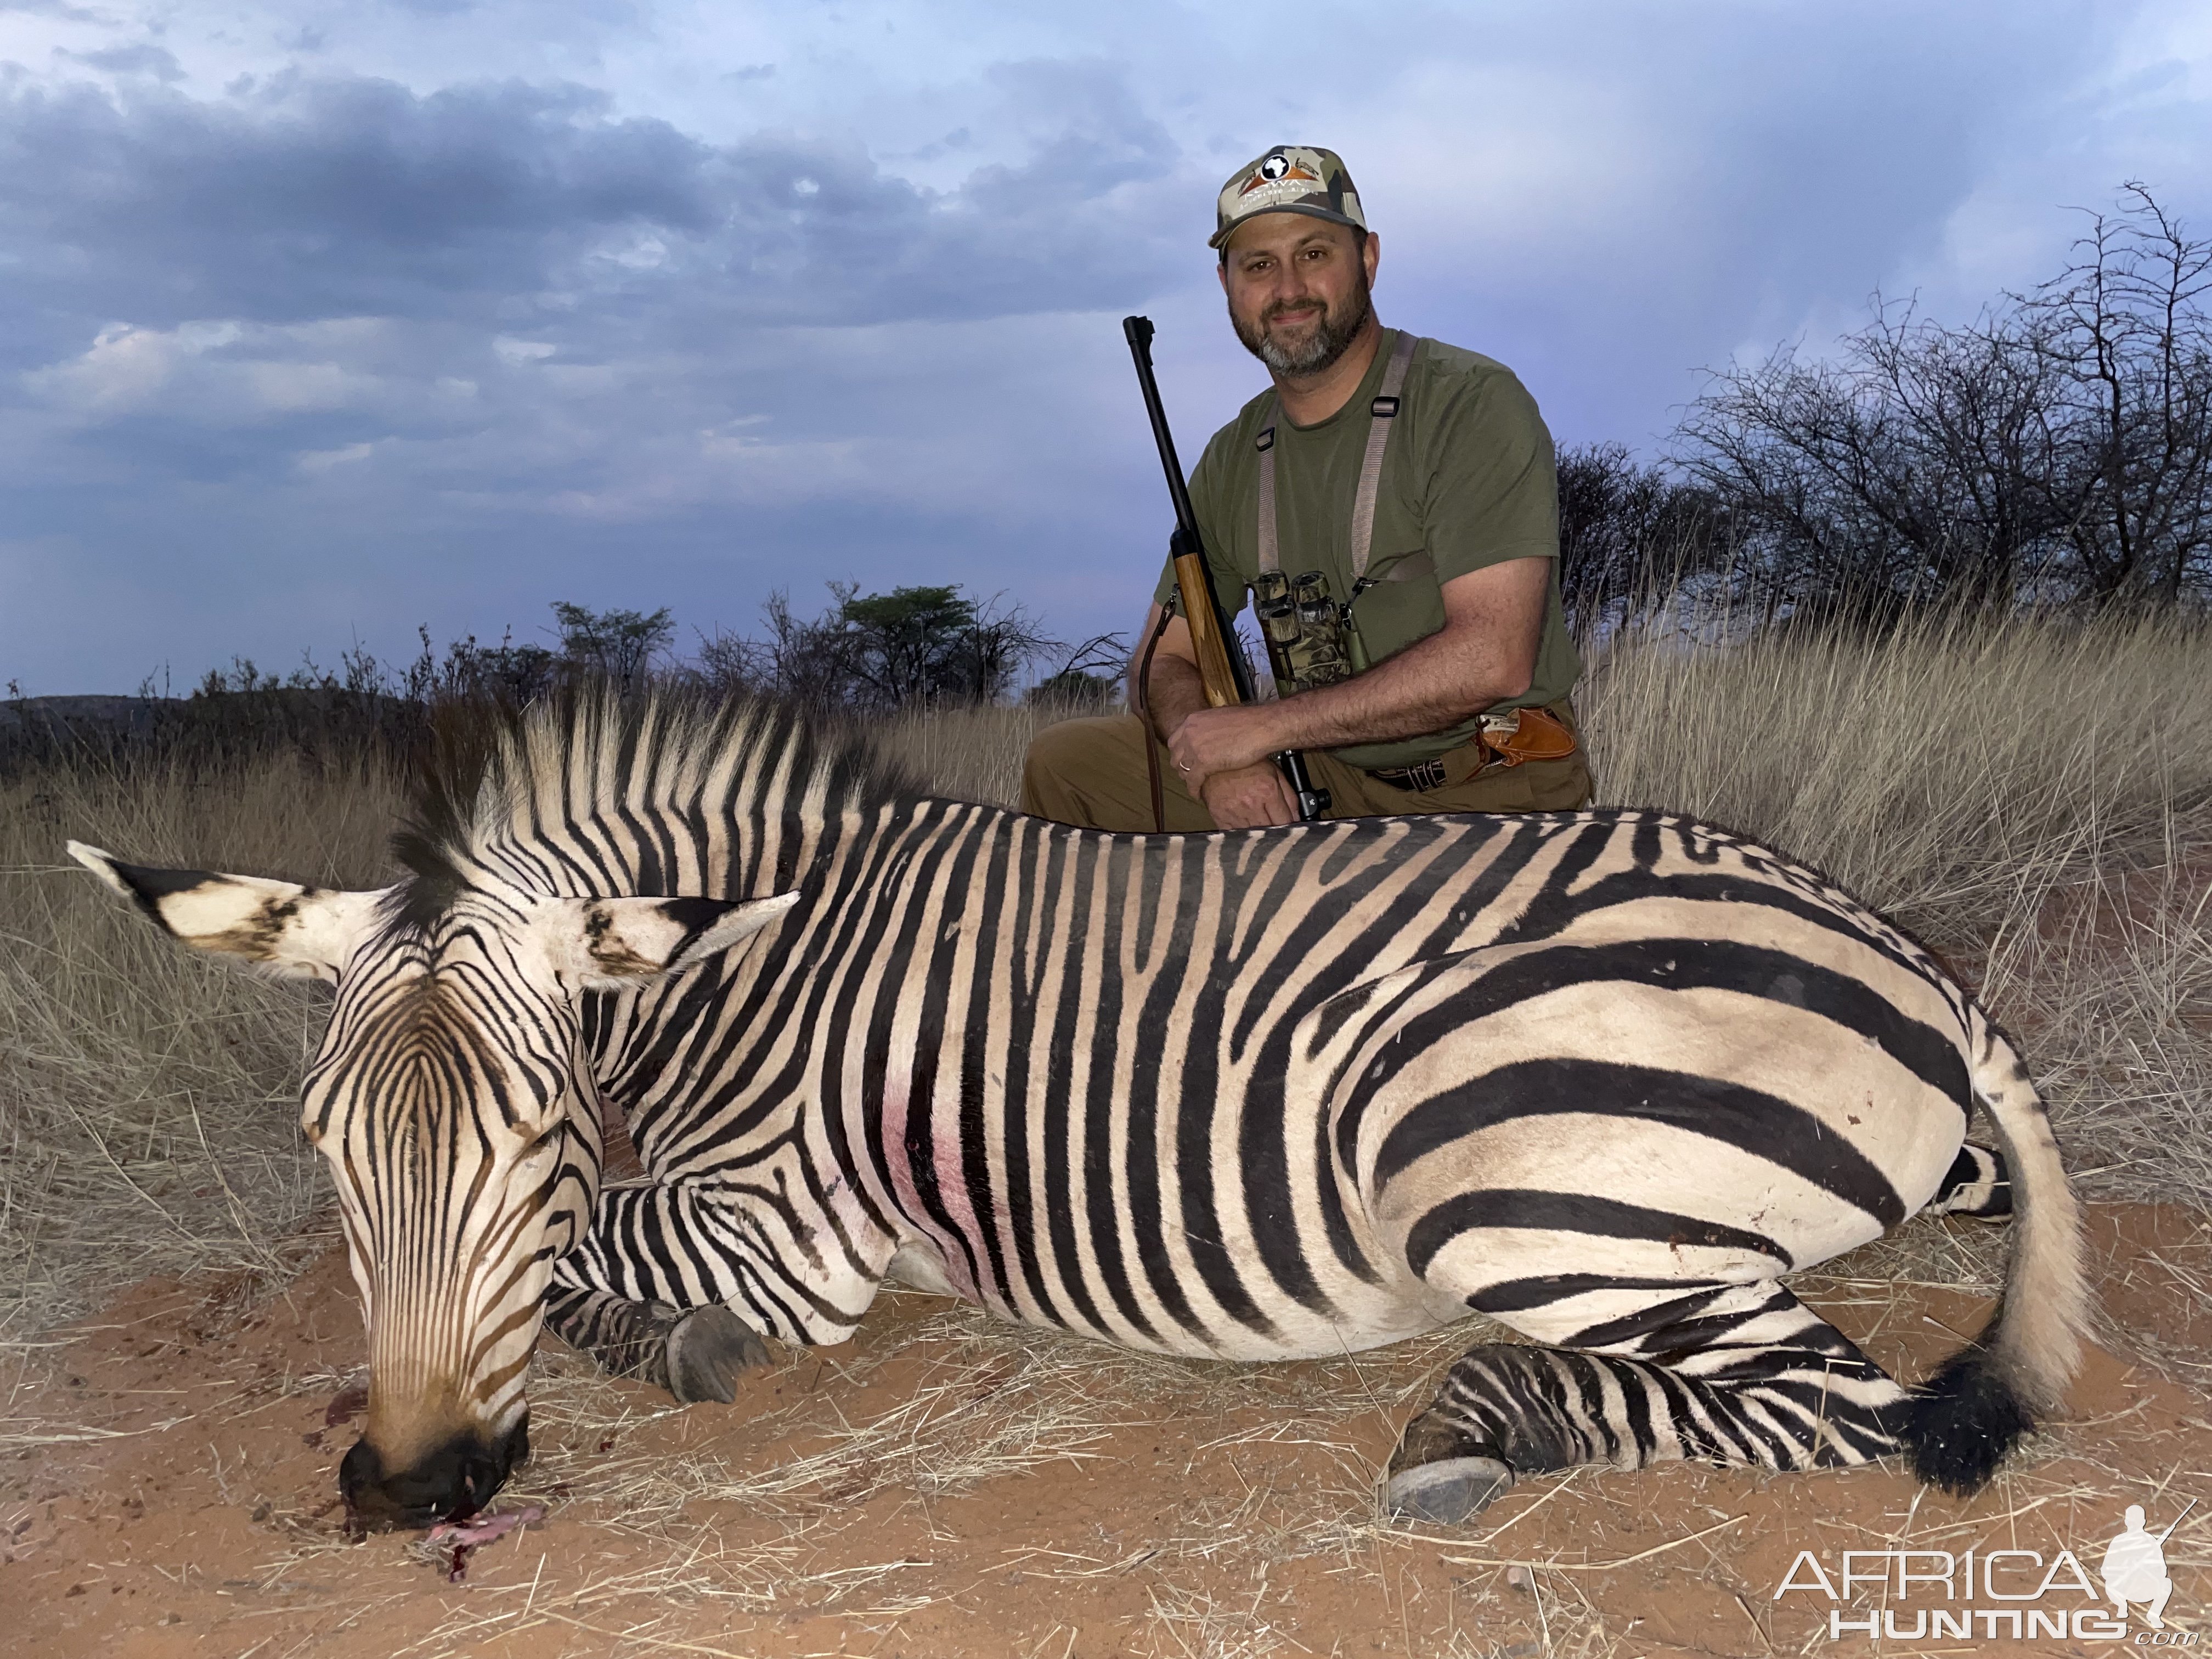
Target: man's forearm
{"points": [[1172, 693], [1484, 652], [1429, 686]]}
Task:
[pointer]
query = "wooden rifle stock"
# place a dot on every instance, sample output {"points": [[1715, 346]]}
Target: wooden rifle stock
{"points": [[1220, 669], [1215, 666]]}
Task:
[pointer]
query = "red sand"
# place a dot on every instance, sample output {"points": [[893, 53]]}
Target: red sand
{"points": [[196, 1513]]}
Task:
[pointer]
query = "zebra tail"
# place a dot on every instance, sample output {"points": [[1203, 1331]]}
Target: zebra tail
{"points": [[1962, 1422]]}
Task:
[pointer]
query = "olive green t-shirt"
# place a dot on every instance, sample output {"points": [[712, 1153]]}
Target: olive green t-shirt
{"points": [[1468, 478]]}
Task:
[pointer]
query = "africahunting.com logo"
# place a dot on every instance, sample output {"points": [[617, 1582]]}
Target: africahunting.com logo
{"points": [[2010, 1595]]}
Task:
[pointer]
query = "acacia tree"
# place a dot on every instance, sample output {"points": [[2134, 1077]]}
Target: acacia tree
{"points": [[877, 652], [1920, 462], [619, 644]]}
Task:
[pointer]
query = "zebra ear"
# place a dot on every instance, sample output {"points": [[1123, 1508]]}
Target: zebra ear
{"points": [[608, 943], [301, 933]]}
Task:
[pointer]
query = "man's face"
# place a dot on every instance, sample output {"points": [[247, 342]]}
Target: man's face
{"points": [[1297, 289]]}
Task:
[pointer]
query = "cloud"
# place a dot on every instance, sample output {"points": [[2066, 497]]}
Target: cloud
{"points": [[329, 318], [142, 58], [59, 9], [407, 329], [324, 197], [339, 262], [125, 367], [317, 197]]}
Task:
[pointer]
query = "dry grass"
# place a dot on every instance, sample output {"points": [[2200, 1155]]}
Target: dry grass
{"points": [[2032, 798], [1946, 773], [967, 754], [149, 1099], [955, 1401]]}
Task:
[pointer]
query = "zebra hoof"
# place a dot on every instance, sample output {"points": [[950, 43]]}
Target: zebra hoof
{"points": [[1446, 1493], [708, 1348]]}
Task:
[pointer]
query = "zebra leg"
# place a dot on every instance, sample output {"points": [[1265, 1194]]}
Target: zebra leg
{"points": [[1736, 1374], [1977, 1184], [696, 1356]]}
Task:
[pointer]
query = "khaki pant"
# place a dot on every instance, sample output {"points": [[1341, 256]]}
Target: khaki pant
{"points": [[1092, 773]]}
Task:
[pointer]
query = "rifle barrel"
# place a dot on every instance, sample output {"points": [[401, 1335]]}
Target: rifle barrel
{"points": [[1138, 331]]}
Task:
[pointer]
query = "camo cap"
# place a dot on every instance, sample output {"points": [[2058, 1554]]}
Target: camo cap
{"points": [[1288, 178]]}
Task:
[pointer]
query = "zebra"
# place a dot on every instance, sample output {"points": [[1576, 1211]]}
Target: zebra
{"points": [[1605, 1077]]}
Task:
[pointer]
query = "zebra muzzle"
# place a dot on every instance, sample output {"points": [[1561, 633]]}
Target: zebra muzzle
{"points": [[451, 1482]]}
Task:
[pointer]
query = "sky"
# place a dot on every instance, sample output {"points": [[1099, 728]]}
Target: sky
{"points": [[321, 322]]}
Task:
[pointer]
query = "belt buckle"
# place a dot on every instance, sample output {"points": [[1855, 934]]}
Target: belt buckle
{"points": [[1428, 775]]}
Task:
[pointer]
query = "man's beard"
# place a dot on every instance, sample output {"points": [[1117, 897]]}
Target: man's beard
{"points": [[1329, 340]]}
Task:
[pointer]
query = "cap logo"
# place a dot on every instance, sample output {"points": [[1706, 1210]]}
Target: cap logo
{"points": [[1279, 169]]}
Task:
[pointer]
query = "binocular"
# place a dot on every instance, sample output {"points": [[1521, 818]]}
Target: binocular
{"points": [[1312, 640]]}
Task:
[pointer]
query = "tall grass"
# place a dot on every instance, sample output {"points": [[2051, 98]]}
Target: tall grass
{"points": [[1940, 770], [967, 754], [149, 1098], [2034, 797]]}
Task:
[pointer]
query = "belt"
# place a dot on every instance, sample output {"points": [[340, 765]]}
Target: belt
{"points": [[1510, 738], [1428, 775]]}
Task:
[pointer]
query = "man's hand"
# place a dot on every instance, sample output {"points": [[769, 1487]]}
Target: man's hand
{"points": [[1248, 797], [1224, 755], [1484, 652], [1220, 754], [1211, 740]]}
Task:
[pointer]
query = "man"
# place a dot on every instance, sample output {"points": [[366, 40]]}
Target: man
{"points": [[1429, 660]]}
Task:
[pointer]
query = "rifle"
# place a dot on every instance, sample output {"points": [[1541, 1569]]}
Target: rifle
{"points": [[1222, 671]]}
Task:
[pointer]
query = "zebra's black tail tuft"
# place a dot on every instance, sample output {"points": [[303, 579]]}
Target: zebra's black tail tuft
{"points": [[1960, 1425]]}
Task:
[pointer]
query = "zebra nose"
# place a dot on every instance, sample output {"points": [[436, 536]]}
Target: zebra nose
{"points": [[453, 1481]]}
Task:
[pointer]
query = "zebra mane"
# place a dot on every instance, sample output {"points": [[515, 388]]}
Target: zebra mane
{"points": [[595, 791]]}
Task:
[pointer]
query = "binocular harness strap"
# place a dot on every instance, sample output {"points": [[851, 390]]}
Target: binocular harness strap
{"points": [[1381, 413]]}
